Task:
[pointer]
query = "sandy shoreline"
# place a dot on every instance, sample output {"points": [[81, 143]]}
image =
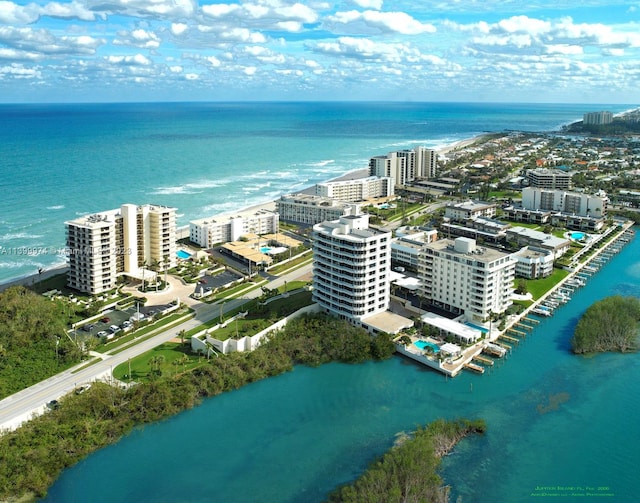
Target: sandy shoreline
{"points": [[267, 205]]}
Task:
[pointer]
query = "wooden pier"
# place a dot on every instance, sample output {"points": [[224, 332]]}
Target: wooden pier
{"points": [[483, 360], [474, 367], [509, 339]]}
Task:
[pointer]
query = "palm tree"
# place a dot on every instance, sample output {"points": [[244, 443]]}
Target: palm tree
{"points": [[144, 265], [184, 359], [182, 335], [166, 262]]}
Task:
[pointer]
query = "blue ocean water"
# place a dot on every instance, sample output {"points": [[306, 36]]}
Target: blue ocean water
{"points": [[554, 420], [61, 161]]}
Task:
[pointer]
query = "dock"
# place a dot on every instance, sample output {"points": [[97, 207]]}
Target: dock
{"points": [[483, 360], [509, 339], [474, 367]]}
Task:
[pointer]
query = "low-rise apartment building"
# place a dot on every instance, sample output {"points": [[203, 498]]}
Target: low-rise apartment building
{"points": [[459, 212], [358, 189], [308, 209], [208, 232]]}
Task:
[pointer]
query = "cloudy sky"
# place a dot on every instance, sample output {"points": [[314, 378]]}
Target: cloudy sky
{"points": [[585, 51]]}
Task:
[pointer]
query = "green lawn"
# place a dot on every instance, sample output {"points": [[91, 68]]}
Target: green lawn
{"points": [[538, 287], [167, 353]]}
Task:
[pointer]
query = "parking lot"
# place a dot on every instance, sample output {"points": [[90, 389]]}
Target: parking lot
{"points": [[208, 283]]}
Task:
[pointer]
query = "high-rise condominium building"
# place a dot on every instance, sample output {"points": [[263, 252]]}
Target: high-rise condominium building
{"points": [[351, 268], [548, 178], [463, 278], [405, 166], [597, 118], [117, 242]]}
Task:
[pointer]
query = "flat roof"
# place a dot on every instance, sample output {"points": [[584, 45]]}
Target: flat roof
{"points": [[459, 329], [388, 322], [483, 253]]}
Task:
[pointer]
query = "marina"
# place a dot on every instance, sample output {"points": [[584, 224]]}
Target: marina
{"points": [[497, 343]]}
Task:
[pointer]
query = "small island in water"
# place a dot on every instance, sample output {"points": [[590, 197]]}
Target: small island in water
{"points": [[407, 472], [611, 324]]}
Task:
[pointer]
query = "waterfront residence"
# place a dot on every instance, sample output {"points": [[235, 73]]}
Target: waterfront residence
{"points": [[124, 241], [534, 263], [351, 270], [523, 236], [466, 279], [406, 246], [358, 189], [405, 166], [307, 209], [208, 232]]}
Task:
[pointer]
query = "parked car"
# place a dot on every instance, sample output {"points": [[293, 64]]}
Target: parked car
{"points": [[53, 404], [126, 323], [102, 333], [89, 327], [105, 320], [114, 329], [82, 389]]}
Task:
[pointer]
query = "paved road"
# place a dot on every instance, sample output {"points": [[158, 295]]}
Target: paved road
{"points": [[20, 407]]}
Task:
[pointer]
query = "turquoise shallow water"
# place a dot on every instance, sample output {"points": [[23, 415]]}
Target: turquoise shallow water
{"points": [[554, 419], [58, 162]]}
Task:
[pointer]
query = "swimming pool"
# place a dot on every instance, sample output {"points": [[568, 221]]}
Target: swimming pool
{"points": [[577, 235], [477, 327], [183, 254], [265, 249], [424, 344]]}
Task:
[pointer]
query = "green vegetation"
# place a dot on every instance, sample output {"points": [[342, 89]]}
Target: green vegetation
{"points": [[538, 287], [35, 454], [34, 344], [408, 471], [611, 324]]}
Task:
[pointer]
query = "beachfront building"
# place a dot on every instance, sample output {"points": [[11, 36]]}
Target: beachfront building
{"points": [[549, 178], [208, 232], [463, 278], [571, 203], [459, 212], [406, 246], [358, 189], [124, 241], [523, 236], [597, 118], [351, 268], [307, 209], [534, 263], [405, 166]]}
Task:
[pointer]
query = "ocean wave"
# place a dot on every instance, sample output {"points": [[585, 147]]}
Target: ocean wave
{"points": [[320, 163], [20, 235], [56, 207], [256, 188], [189, 188]]}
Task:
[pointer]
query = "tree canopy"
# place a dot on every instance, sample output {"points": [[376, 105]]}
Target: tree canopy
{"points": [[611, 324], [33, 339]]}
